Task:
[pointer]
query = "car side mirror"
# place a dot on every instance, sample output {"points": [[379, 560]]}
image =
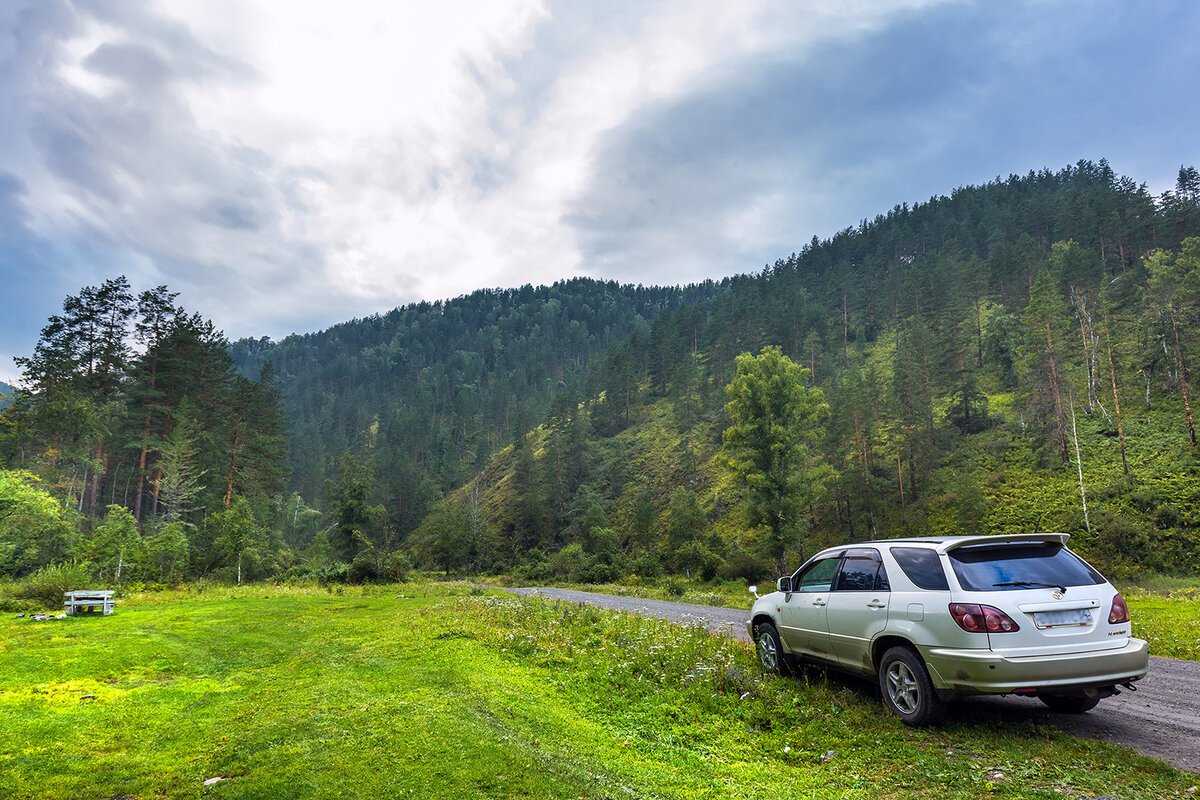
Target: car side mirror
{"points": [[754, 591], [784, 584]]}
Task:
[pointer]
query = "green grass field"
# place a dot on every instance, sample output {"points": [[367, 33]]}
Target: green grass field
{"points": [[445, 692]]}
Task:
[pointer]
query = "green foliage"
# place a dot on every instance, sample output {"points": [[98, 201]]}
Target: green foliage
{"points": [[357, 522], [134, 419], [116, 544], [34, 528], [245, 543], [167, 553], [769, 445], [397, 567], [47, 585]]}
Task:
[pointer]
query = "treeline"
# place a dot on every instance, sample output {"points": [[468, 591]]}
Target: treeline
{"points": [[425, 395], [994, 361], [133, 419]]}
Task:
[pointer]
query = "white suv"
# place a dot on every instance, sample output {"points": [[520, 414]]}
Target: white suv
{"points": [[939, 618]]}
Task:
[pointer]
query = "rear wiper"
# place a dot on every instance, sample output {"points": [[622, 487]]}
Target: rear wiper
{"points": [[1033, 585]]}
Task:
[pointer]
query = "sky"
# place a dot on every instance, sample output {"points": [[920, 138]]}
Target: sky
{"points": [[288, 166]]}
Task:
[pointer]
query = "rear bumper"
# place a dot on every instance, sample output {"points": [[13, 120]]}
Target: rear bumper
{"points": [[965, 672]]}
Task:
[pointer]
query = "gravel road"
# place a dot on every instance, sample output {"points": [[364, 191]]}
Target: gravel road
{"points": [[1161, 719]]}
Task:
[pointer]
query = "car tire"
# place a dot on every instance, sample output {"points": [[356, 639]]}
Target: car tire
{"points": [[769, 649], [1068, 704], [907, 691]]}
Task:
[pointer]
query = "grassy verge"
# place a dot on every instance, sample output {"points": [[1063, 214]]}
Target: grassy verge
{"points": [[1170, 622], [1166, 611], [435, 691], [673, 588]]}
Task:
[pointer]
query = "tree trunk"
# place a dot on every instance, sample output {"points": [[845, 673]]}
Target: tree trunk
{"points": [[232, 465], [845, 329], [96, 475], [1187, 404], [1079, 465], [1112, 373], [1059, 422], [157, 488]]}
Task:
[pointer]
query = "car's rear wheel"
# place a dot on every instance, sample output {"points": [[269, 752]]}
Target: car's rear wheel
{"points": [[907, 691], [769, 648], [1069, 704]]}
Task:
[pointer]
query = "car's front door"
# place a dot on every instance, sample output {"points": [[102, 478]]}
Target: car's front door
{"points": [[857, 608], [802, 614]]}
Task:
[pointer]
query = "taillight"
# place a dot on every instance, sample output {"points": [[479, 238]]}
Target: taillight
{"points": [[975, 618], [1119, 612]]}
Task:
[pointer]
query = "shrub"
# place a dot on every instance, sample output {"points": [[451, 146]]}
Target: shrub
{"points": [[48, 584], [333, 572], [535, 570], [746, 567], [364, 568], [397, 566], [644, 564]]}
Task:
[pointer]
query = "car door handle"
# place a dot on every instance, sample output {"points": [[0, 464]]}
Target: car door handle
{"points": [[818, 601], [876, 604]]}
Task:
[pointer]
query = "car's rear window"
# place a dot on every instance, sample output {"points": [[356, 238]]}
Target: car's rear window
{"points": [[922, 566], [986, 568]]}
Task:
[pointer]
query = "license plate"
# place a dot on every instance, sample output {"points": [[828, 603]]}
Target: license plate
{"points": [[1068, 618]]}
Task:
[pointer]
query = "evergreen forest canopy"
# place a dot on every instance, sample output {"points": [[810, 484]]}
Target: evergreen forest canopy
{"points": [[1013, 357]]}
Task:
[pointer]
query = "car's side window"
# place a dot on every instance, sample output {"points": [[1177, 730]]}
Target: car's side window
{"points": [[922, 566], [818, 577], [882, 584], [862, 571]]}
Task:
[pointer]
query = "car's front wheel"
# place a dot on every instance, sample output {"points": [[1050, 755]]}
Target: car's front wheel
{"points": [[907, 691], [769, 648], [1068, 704]]}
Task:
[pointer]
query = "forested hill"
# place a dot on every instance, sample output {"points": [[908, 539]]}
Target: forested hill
{"points": [[426, 394], [993, 361], [1012, 357], [5, 394]]}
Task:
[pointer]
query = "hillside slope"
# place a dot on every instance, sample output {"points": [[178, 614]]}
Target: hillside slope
{"points": [[993, 361], [425, 394]]}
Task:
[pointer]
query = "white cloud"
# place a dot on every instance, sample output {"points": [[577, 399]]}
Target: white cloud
{"points": [[289, 165]]}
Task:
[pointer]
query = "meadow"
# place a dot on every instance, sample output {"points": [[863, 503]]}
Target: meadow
{"points": [[443, 690]]}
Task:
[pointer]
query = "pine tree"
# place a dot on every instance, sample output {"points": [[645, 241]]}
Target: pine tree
{"points": [[769, 445]]}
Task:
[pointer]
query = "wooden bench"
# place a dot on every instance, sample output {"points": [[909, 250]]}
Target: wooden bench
{"points": [[91, 600]]}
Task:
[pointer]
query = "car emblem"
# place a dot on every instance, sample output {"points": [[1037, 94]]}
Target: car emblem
{"points": [[1057, 595]]}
